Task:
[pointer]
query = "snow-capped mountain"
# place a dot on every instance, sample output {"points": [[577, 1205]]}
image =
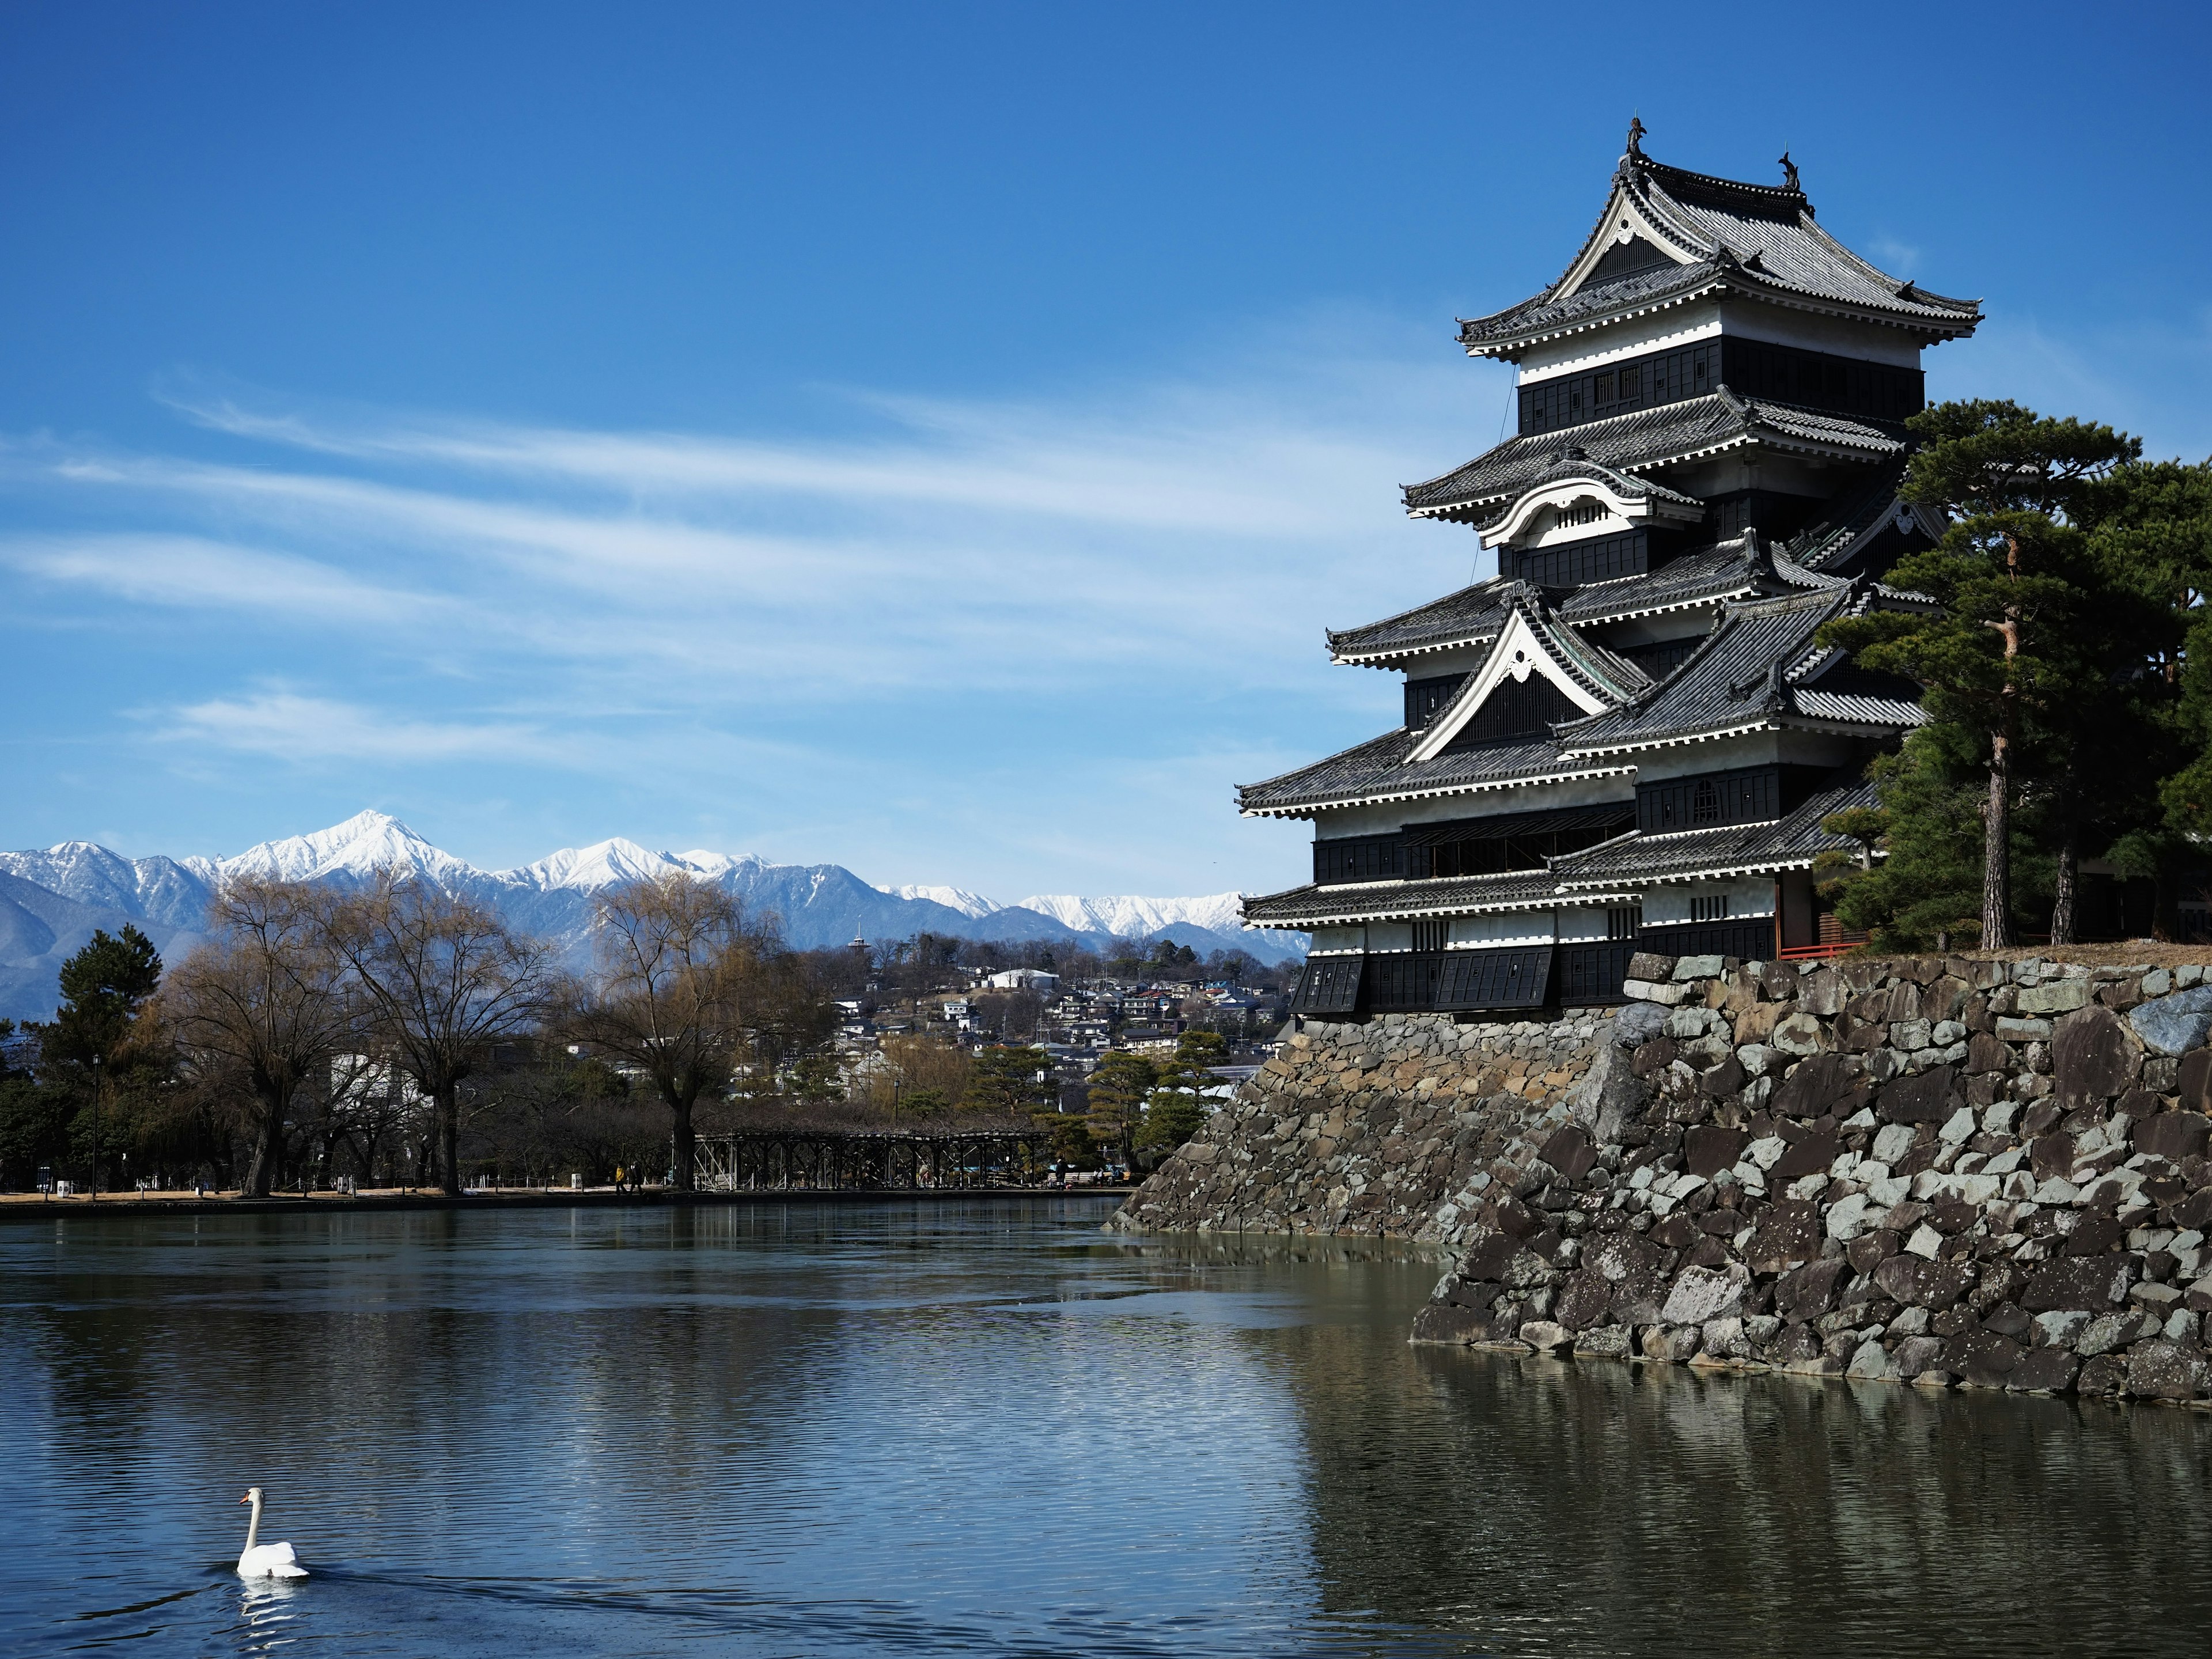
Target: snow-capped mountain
{"points": [[52, 900], [1138, 918], [952, 898]]}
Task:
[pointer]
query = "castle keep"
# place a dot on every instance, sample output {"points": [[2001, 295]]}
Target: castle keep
{"points": [[1626, 740]]}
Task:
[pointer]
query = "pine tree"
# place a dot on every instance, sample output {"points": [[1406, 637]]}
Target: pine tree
{"points": [[2017, 588], [1014, 1081]]}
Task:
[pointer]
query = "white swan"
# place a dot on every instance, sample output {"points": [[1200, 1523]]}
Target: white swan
{"points": [[264, 1560]]}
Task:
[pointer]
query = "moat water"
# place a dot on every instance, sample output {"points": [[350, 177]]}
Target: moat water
{"points": [[987, 1429]]}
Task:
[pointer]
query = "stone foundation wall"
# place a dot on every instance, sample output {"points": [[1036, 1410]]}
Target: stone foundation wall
{"points": [[1936, 1171], [1393, 1128], [1941, 1170]]}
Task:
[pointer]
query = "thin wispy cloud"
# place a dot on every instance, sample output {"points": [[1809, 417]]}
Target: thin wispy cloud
{"points": [[1048, 626], [285, 725]]}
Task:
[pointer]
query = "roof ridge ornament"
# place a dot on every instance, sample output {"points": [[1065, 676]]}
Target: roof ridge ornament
{"points": [[1789, 174], [1635, 130]]}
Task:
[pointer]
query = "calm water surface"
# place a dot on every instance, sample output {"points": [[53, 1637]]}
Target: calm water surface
{"points": [[984, 1429]]}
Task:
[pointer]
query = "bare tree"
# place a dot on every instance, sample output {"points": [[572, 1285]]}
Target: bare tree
{"points": [[678, 971], [265, 998], [445, 980]]}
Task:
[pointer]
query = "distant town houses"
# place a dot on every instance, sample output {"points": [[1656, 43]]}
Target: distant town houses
{"points": [[1075, 1021]]}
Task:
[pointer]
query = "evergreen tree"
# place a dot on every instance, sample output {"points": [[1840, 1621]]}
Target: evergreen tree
{"points": [[104, 986], [1175, 1110], [1015, 1081], [34, 1118], [2018, 593], [1118, 1089]]}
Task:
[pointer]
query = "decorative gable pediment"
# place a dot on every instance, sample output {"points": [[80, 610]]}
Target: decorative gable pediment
{"points": [[1568, 503], [1520, 651], [1628, 242]]}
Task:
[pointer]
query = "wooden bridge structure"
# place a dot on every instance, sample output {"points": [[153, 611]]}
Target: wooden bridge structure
{"points": [[870, 1160]]}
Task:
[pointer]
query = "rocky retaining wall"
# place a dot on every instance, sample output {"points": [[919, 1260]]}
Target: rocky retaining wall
{"points": [[1941, 1171], [1392, 1128], [1934, 1171]]}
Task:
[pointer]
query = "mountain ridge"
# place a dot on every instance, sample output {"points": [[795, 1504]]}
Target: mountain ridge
{"points": [[52, 899]]}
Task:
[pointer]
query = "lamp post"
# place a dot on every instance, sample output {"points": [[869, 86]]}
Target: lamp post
{"points": [[95, 1126]]}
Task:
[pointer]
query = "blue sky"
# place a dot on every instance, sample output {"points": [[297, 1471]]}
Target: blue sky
{"points": [[929, 438]]}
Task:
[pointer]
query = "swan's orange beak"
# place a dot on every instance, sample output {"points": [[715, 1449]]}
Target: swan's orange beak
{"points": [[248, 1499]]}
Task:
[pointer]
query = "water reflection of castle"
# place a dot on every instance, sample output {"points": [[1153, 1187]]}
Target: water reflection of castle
{"points": [[1628, 738]]}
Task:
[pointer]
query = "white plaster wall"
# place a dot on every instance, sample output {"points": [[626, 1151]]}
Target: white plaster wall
{"points": [[1487, 933], [1669, 907], [1680, 325], [1338, 941], [1707, 320], [1389, 935], [1583, 925]]}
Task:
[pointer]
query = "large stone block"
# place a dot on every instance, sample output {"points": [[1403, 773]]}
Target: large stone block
{"points": [[2090, 1058], [1619, 1255], [1812, 1087], [1918, 1283], [1822, 992], [1603, 1342], [1756, 1024], [1984, 1053], [1806, 1293], [2044, 1370], [2095, 1283], [1610, 1096], [1922, 1098], [1789, 1232], [1448, 1322], [1585, 1297], [2175, 1024], [1571, 1153], [1639, 1297], [2167, 1370], [2176, 1135], [1650, 964], [1809, 1156], [2057, 996], [1546, 1336], [1917, 1354], [1981, 1358], [2195, 1080], [1704, 1293], [1638, 1023], [1798, 1034], [1707, 1149]]}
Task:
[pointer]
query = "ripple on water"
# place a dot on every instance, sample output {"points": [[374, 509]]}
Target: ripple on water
{"points": [[985, 1428]]}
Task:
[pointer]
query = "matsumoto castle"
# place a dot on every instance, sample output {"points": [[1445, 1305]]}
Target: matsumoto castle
{"points": [[1626, 740]]}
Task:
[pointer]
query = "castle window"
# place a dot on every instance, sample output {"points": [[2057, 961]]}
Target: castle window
{"points": [[1430, 935], [1601, 391], [1706, 802], [1623, 922], [1709, 910]]}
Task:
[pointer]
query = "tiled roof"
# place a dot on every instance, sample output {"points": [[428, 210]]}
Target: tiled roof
{"points": [[1649, 438], [1738, 678], [1755, 239], [1469, 617], [1376, 770], [1303, 907], [1729, 569], [1573, 464], [1733, 849]]}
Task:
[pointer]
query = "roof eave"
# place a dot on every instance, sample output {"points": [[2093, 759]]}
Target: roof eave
{"points": [[1306, 809]]}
